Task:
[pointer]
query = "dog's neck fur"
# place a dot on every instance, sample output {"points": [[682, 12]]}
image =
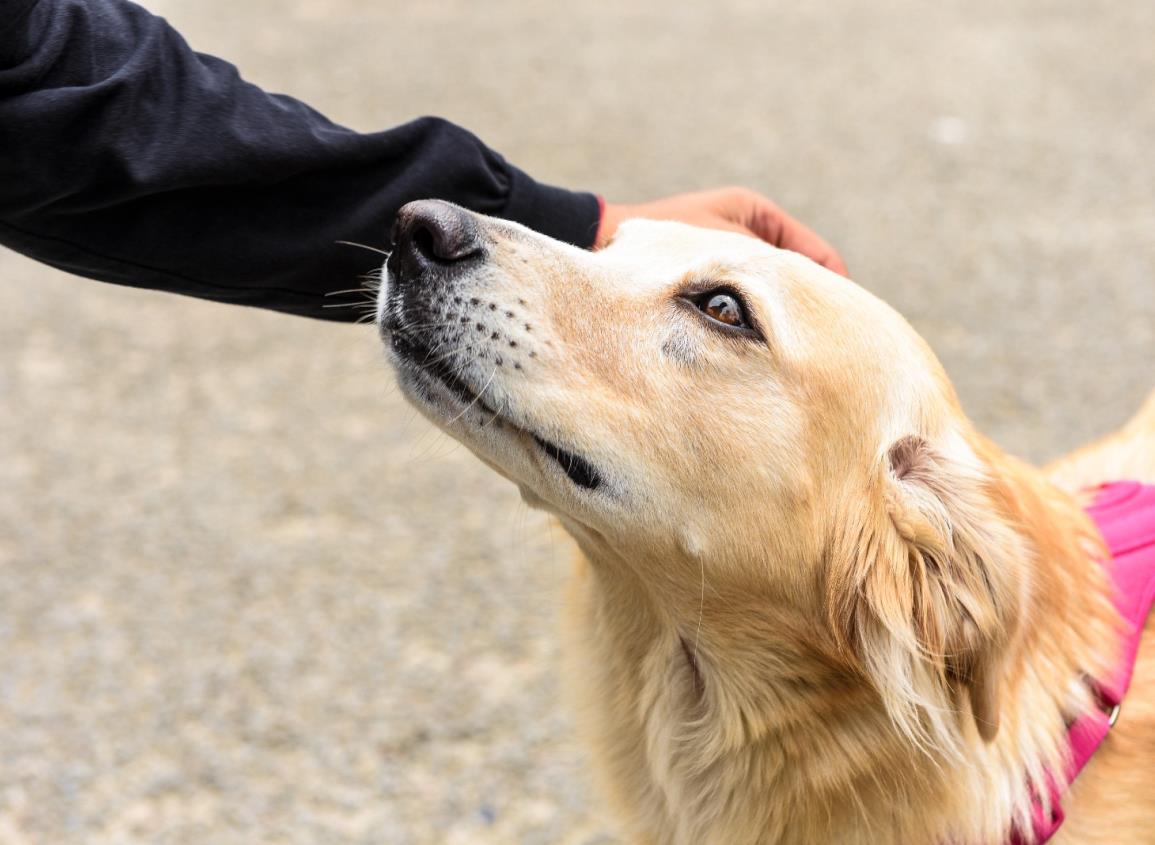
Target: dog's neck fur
{"points": [[773, 735]]}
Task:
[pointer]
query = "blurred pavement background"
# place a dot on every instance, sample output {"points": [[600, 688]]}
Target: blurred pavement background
{"points": [[248, 596]]}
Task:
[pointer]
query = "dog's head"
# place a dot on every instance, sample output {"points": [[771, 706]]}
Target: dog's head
{"points": [[697, 405]]}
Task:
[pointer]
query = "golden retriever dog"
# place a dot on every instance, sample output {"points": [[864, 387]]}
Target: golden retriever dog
{"points": [[813, 604]]}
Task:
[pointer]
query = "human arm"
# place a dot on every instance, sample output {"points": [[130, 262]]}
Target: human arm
{"points": [[127, 157]]}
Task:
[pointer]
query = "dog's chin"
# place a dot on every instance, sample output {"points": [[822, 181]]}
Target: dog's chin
{"points": [[433, 378], [443, 395]]}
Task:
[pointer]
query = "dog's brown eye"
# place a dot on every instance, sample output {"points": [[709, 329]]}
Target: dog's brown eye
{"points": [[724, 308]]}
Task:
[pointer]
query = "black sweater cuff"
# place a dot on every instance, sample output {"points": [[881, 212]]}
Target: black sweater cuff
{"points": [[565, 215]]}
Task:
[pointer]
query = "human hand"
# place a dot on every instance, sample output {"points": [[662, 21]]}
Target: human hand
{"points": [[732, 209]]}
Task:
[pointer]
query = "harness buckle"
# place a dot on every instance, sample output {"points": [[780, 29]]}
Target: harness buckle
{"points": [[1113, 715]]}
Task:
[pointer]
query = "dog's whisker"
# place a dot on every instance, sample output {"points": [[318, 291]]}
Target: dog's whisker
{"points": [[365, 304], [431, 325], [443, 338], [348, 290], [701, 608], [476, 398], [496, 414], [434, 358], [428, 450], [384, 252]]}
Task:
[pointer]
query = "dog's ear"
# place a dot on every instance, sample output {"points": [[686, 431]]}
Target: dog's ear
{"points": [[923, 585]]}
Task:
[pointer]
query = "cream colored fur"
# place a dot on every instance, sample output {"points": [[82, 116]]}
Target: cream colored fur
{"points": [[813, 604]]}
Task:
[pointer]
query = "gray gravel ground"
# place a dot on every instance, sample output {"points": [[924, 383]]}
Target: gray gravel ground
{"points": [[248, 596]]}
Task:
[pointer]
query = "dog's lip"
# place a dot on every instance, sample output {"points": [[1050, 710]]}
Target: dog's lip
{"points": [[576, 468], [421, 356]]}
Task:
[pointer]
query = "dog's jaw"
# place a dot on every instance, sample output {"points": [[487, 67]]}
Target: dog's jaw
{"points": [[441, 364]]}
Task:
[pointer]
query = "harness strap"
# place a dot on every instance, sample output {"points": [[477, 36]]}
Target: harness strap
{"points": [[1124, 512]]}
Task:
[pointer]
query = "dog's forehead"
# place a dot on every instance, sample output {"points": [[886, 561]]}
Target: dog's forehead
{"points": [[663, 252], [683, 238]]}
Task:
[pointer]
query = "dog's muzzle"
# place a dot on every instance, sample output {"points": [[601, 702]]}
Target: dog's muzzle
{"points": [[432, 308], [434, 243]]}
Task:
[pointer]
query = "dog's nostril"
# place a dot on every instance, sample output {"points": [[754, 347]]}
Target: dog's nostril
{"points": [[443, 235], [435, 233], [424, 242]]}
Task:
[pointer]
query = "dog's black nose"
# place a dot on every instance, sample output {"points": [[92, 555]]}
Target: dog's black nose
{"points": [[431, 235]]}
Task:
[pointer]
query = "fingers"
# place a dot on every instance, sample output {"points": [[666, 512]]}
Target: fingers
{"points": [[732, 209], [612, 216], [775, 226], [799, 238]]}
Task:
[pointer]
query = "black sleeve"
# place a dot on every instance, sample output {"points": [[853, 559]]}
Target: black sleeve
{"points": [[127, 157]]}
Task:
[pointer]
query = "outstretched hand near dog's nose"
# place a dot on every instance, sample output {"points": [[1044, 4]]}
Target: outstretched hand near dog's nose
{"points": [[732, 209]]}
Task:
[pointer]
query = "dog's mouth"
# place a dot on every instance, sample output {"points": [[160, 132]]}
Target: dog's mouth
{"points": [[577, 469], [422, 357]]}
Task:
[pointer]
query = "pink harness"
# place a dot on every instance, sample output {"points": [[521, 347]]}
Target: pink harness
{"points": [[1124, 512]]}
